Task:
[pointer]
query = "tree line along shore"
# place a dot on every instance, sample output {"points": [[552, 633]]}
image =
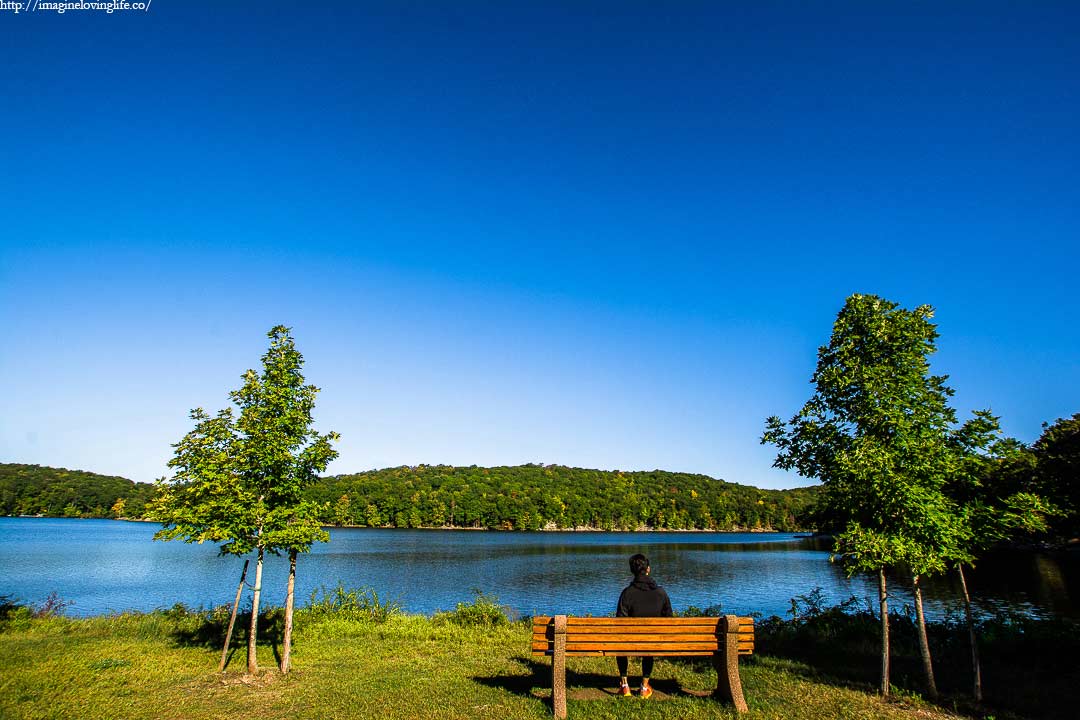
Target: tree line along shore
{"points": [[524, 497], [552, 497]]}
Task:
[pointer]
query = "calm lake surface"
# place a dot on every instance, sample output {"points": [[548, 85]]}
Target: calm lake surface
{"points": [[108, 565]]}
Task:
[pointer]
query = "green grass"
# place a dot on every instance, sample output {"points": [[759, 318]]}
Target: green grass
{"points": [[156, 666]]}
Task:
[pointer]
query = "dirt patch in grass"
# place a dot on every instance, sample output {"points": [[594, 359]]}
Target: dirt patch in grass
{"points": [[262, 679]]}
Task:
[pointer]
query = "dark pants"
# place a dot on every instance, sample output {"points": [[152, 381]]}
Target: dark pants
{"points": [[646, 665]]}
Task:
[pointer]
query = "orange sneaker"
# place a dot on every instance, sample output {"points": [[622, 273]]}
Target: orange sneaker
{"points": [[624, 690], [646, 692]]}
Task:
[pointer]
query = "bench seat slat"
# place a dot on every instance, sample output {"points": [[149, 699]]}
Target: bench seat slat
{"points": [[644, 639], [659, 638], [626, 648], [742, 641], [704, 630]]}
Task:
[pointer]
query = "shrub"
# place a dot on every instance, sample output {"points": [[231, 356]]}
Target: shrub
{"points": [[8, 605], [694, 611], [15, 615], [52, 606], [350, 604], [483, 611]]}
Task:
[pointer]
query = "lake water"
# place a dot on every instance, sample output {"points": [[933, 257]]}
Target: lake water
{"points": [[106, 565]]}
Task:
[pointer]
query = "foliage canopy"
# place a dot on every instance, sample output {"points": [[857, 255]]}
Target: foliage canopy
{"points": [[878, 433], [239, 479]]}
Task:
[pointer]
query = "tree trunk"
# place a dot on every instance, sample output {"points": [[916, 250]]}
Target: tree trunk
{"points": [[976, 668], [253, 660], [924, 643], [232, 617], [286, 651], [884, 599]]}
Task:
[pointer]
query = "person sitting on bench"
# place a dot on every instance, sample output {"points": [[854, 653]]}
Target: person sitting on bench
{"points": [[641, 598]]}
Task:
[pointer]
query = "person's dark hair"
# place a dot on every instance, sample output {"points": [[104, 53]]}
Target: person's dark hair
{"points": [[639, 564]]}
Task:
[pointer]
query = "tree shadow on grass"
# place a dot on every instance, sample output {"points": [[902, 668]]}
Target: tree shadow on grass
{"points": [[206, 629], [842, 649]]}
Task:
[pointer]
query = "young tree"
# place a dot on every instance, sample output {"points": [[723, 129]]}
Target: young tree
{"points": [[1057, 472], [876, 433], [991, 487], [239, 479]]}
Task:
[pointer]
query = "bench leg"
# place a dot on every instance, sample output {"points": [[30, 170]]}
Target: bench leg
{"points": [[728, 682], [558, 669]]}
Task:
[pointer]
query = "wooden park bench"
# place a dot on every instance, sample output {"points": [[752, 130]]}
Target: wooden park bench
{"points": [[722, 638]]}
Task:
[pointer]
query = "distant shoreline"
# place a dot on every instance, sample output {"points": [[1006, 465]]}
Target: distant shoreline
{"points": [[578, 529]]}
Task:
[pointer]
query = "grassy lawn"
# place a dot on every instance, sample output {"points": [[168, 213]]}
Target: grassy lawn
{"points": [[150, 666]]}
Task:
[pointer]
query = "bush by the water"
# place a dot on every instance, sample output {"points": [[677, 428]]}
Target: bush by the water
{"points": [[350, 604], [12, 611], [483, 611]]}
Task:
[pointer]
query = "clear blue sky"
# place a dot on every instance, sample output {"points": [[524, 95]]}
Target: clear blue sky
{"points": [[608, 235]]}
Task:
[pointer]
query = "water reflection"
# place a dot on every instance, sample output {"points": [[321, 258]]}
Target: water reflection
{"points": [[107, 565], [1042, 583]]}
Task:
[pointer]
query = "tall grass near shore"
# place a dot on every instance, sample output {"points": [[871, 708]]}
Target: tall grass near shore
{"points": [[357, 656]]}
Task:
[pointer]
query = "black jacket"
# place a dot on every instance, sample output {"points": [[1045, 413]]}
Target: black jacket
{"points": [[643, 598]]}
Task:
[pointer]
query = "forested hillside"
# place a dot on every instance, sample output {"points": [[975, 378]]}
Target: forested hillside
{"points": [[531, 497], [525, 497], [59, 492]]}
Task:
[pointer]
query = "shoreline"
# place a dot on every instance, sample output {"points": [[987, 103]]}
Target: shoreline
{"points": [[469, 528]]}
